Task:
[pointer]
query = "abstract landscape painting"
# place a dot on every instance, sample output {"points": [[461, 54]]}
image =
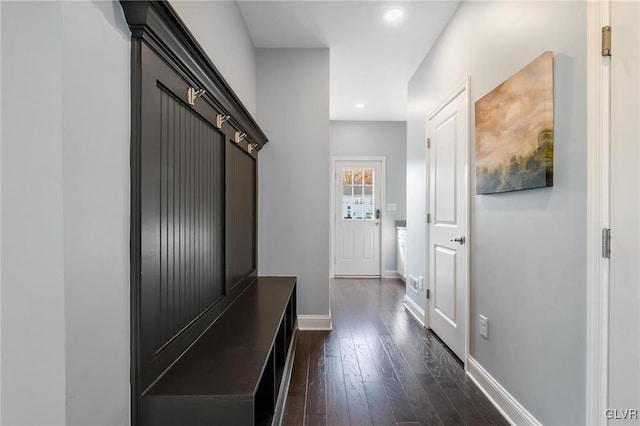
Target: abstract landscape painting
{"points": [[514, 131]]}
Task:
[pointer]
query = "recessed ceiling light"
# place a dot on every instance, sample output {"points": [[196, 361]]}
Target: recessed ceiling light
{"points": [[359, 105], [393, 15]]}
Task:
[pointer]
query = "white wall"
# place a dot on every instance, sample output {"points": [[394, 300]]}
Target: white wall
{"points": [[384, 139], [65, 198], [528, 247], [33, 293], [96, 61], [221, 31], [293, 225]]}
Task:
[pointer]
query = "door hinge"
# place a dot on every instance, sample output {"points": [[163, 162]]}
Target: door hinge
{"points": [[428, 143], [606, 243], [428, 217], [606, 41], [428, 294]]}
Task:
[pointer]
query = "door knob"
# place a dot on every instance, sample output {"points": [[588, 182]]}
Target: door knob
{"points": [[459, 239]]}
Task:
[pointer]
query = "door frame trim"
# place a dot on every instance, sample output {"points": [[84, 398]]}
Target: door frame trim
{"points": [[332, 206], [463, 87], [598, 213]]}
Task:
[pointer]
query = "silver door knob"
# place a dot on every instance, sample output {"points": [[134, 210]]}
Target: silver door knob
{"points": [[459, 239]]}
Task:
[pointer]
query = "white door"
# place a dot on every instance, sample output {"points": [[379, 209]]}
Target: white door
{"points": [[624, 296], [448, 249], [357, 218]]}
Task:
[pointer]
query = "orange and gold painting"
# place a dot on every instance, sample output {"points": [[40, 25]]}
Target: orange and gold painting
{"points": [[514, 131]]}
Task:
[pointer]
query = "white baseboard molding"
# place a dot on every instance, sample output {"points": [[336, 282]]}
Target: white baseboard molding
{"points": [[414, 310], [509, 407], [390, 274], [314, 322]]}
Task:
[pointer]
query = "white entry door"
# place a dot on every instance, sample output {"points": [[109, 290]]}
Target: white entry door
{"points": [[448, 167], [357, 218]]}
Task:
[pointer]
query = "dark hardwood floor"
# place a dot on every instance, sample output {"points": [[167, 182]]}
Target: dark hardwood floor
{"points": [[379, 367]]}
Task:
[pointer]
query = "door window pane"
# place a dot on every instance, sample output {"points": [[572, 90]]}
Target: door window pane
{"points": [[357, 194], [357, 177], [368, 176], [347, 177]]}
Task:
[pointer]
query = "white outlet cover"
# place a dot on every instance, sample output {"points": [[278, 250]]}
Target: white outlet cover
{"points": [[392, 207], [484, 327]]}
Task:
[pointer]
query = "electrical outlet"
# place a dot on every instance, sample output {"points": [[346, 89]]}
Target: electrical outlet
{"points": [[484, 327]]}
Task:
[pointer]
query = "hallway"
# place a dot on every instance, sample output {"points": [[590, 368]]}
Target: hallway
{"points": [[379, 366]]}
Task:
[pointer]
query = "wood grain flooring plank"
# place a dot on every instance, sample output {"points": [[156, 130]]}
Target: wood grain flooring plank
{"points": [[433, 364], [481, 403], [359, 413], [332, 345], [398, 399], [464, 405], [337, 406], [357, 334], [443, 406], [379, 406], [367, 365], [341, 327], [293, 411], [405, 343], [443, 369], [316, 387], [350, 364], [422, 407], [316, 420], [299, 372]]}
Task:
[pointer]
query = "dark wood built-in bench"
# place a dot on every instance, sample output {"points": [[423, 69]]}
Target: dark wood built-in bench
{"points": [[210, 341], [233, 374]]}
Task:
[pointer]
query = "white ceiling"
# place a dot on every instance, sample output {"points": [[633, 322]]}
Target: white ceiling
{"points": [[371, 60]]}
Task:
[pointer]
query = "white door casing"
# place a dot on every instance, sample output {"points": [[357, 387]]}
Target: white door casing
{"points": [[448, 189], [358, 192]]}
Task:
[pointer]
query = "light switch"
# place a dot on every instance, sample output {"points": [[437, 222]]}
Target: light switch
{"points": [[392, 207]]}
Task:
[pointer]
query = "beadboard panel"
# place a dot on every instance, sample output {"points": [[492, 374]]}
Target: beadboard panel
{"points": [[241, 215]]}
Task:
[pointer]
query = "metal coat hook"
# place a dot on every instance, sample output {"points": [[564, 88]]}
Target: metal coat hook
{"points": [[193, 94], [251, 147], [220, 119], [239, 137]]}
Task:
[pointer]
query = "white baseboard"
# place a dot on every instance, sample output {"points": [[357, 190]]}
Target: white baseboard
{"points": [[509, 407], [414, 310], [388, 273], [314, 322]]}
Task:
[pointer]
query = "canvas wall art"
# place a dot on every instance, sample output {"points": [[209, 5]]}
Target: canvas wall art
{"points": [[514, 131]]}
